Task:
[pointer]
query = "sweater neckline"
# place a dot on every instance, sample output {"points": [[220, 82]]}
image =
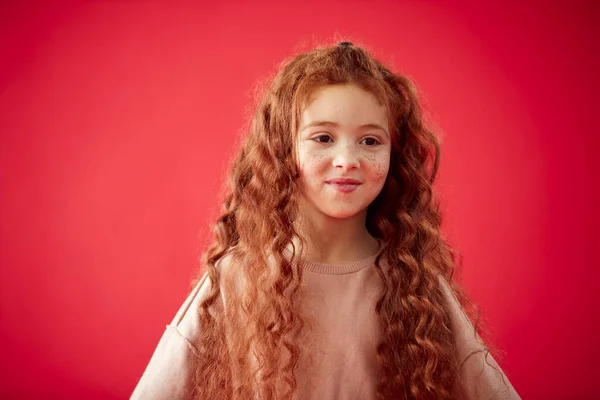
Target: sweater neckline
{"points": [[338, 269]]}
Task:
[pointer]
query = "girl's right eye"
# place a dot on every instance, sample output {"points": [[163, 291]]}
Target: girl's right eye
{"points": [[322, 138]]}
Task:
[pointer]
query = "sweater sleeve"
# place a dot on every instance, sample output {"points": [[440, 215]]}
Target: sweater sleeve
{"points": [[480, 377], [170, 373]]}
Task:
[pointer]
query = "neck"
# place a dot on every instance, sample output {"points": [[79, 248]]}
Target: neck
{"points": [[335, 240]]}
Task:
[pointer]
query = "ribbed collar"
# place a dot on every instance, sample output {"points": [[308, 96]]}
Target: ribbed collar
{"points": [[337, 269]]}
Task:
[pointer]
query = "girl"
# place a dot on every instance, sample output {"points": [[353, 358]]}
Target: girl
{"points": [[328, 277]]}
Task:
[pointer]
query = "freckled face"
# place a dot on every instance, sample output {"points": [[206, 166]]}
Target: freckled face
{"points": [[343, 148]]}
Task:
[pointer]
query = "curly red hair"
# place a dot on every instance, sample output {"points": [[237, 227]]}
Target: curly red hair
{"points": [[417, 349]]}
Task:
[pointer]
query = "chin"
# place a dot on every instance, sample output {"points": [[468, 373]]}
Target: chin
{"points": [[341, 214]]}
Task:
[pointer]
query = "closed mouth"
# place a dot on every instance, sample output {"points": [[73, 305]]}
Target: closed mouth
{"points": [[344, 182]]}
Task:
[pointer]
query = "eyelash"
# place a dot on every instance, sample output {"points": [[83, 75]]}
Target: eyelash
{"points": [[320, 136]]}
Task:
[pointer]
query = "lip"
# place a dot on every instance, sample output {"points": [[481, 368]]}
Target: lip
{"points": [[344, 181], [344, 185]]}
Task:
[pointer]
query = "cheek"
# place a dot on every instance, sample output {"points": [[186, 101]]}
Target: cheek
{"points": [[380, 170], [379, 165], [312, 164], [312, 168]]}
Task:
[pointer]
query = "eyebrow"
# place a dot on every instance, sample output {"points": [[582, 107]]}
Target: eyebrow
{"points": [[335, 125]]}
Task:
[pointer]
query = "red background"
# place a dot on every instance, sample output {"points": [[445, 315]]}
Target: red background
{"points": [[118, 119]]}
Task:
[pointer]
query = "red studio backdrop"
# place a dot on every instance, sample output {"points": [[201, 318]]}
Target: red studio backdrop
{"points": [[118, 119]]}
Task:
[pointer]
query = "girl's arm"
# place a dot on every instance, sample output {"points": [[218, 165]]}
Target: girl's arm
{"points": [[170, 372], [480, 376]]}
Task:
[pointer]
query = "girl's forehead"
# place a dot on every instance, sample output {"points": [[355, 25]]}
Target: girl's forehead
{"points": [[338, 89], [346, 103]]}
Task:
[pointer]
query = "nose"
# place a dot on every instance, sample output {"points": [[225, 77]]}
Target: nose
{"points": [[346, 157]]}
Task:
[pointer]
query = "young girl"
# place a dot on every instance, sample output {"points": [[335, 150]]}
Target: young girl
{"points": [[328, 277]]}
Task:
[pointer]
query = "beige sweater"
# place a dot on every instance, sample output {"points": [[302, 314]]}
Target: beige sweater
{"points": [[341, 361]]}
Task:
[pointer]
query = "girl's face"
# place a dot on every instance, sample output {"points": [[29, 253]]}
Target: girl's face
{"points": [[343, 150]]}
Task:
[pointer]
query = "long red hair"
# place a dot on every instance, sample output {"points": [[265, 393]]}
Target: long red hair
{"points": [[417, 350]]}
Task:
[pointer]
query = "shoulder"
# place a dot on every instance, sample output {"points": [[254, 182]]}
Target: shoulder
{"points": [[466, 337], [480, 376], [458, 315], [447, 292], [170, 372], [187, 318]]}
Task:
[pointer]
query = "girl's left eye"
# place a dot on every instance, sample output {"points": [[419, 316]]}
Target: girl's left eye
{"points": [[373, 141]]}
